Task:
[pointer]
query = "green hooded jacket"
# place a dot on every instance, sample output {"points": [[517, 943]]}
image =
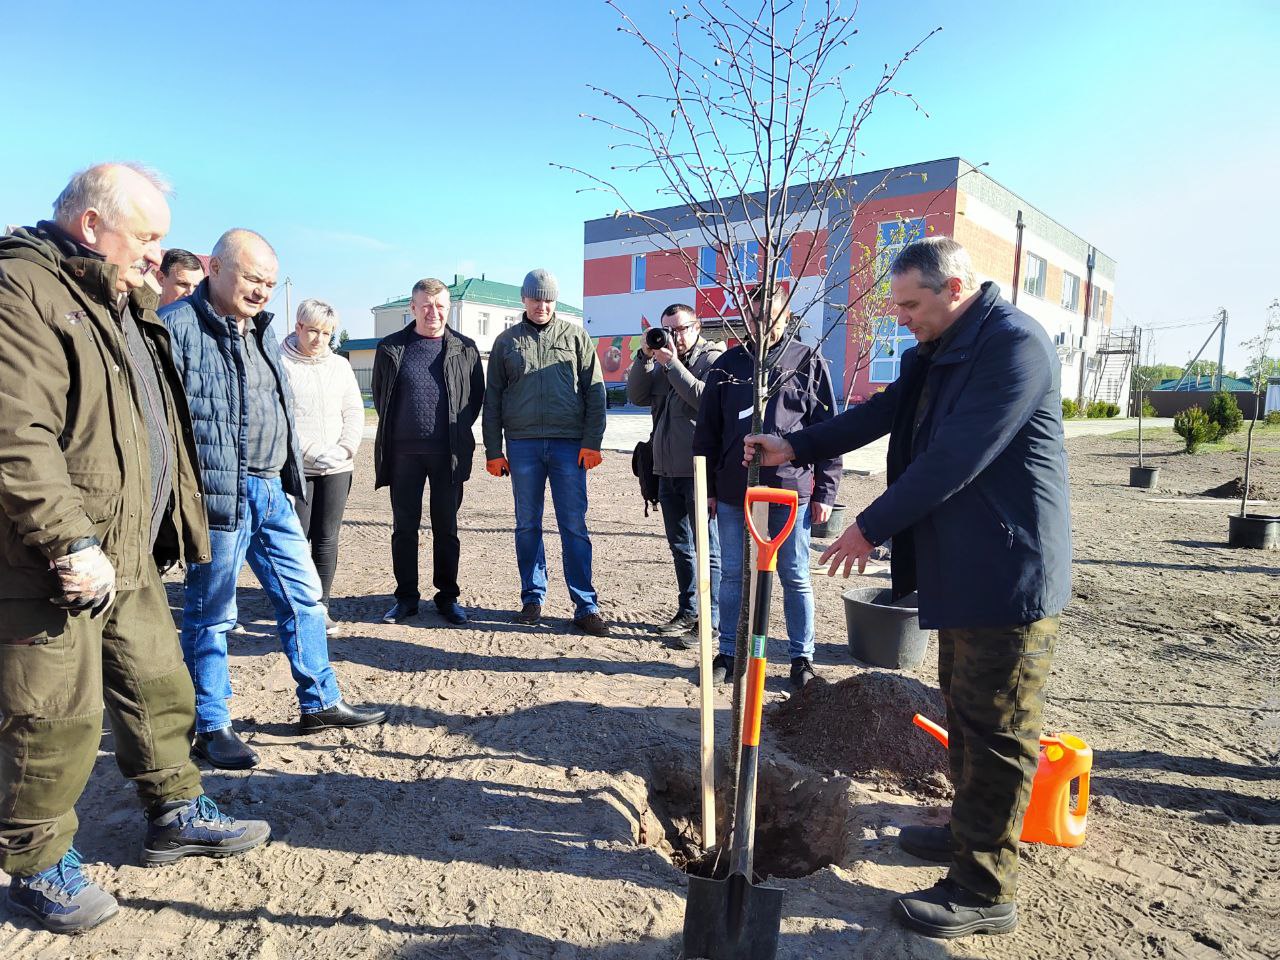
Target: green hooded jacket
{"points": [[544, 384], [74, 458]]}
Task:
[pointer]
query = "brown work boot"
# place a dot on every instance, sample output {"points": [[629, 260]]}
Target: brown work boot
{"points": [[593, 624], [530, 613]]}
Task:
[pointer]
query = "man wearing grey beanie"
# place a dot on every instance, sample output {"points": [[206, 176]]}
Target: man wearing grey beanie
{"points": [[545, 394]]}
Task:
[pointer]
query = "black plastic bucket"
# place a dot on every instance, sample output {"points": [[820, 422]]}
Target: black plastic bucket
{"points": [[1144, 478], [833, 527], [1256, 531], [884, 634]]}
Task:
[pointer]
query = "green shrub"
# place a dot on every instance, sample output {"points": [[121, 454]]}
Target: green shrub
{"points": [[1069, 409], [1147, 409], [1225, 413], [1272, 419], [1101, 410], [1194, 426]]}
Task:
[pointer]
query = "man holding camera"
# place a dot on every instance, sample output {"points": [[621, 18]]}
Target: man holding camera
{"points": [[668, 375]]}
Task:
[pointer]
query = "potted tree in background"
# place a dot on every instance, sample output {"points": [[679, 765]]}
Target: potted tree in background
{"points": [[1257, 530], [1142, 476]]}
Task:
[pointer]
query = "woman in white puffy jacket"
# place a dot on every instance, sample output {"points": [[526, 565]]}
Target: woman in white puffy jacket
{"points": [[329, 415]]}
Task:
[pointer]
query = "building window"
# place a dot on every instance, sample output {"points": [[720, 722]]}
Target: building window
{"points": [[1034, 280], [891, 341], [1070, 292], [637, 272], [1098, 308], [510, 321], [482, 325], [891, 237], [707, 266], [747, 257], [408, 318]]}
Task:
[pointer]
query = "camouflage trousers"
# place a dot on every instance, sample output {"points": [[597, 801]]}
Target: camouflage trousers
{"points": [[57, 672], [993, 681]]}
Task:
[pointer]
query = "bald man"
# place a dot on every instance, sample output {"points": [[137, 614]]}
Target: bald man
{"points": [[98, 492], [241, 406]]}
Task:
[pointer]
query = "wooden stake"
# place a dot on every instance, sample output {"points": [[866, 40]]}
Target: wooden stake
{"points": [[701, 523]]}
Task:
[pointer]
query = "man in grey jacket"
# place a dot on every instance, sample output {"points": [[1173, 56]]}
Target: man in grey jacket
{"points": [[546, 395], [670, 379]]}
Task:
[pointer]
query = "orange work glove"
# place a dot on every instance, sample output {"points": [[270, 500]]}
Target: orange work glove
{"points": [[588, 459], [498, 467]]}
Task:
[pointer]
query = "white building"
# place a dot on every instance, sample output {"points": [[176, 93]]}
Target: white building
{"points": [[480, 308]]}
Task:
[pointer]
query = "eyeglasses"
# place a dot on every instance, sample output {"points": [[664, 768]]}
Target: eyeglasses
{"points": [[682, 328]]}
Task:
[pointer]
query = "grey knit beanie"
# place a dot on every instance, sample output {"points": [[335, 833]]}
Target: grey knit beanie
{"points": [[540, 285]]}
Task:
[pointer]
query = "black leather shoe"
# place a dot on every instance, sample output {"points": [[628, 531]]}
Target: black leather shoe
{"points": [[721, 669], [928, 843], [947, 910], [593, 624], [452, 612], [401, 612], [224, 750], [341, 714], [801, 672]]}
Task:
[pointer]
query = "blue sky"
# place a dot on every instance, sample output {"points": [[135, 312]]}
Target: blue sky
{"points": [[379, 143]]}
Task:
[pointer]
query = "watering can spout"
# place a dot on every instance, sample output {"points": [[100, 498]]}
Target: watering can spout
{"points": [[928, 726]]}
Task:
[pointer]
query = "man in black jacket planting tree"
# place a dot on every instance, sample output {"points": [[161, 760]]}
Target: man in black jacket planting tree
{"points": [[977, 506]]}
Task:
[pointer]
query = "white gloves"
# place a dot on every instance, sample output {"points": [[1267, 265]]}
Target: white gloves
{"points": [[331, 457], [87, 579]]}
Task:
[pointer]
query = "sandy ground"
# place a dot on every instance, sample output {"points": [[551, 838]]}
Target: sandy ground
{"points": [[526, 795]]}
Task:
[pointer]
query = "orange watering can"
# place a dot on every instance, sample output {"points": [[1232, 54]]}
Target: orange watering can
{"points": [[1051, 817]]}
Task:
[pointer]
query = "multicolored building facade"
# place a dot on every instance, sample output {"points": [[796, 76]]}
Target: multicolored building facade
{"points": [[836, 267]]}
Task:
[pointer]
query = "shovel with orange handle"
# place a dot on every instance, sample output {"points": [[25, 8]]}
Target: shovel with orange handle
{"points": [[733, 918]]}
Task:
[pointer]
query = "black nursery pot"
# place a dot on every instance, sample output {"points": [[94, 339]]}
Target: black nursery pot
{"points": [[1254, 531], [1144, 478]]}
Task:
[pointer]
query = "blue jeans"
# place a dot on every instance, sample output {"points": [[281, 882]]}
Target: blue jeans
{"points": [[675, 497], [793, 573], [270, 537], [533, 463]]}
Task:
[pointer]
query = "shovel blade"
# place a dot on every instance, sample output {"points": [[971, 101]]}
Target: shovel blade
{"points": [[731, 919]]}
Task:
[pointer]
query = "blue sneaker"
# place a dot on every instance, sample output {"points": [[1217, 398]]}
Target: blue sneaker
{"points": [[195, 828], [62, 898]]}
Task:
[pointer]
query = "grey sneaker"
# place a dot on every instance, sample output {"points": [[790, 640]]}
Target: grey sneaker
{"points": [[195, 828], [680, 623], [62, 898]]}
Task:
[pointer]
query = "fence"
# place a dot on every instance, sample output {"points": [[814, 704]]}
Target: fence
{"points": [[1170, 403]]}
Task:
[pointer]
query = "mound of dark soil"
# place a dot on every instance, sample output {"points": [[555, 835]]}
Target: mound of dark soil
{"points": [[862, 727], [1234, 489]]}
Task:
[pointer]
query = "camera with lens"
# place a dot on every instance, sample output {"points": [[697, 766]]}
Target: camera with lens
{"points": [[658, 338]]}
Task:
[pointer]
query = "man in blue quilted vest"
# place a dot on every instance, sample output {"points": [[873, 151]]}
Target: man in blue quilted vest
{"points": [[249, 460]]}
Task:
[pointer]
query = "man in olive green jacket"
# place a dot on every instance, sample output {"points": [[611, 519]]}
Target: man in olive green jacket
{"points": [[546, 394], [98, 490]]}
